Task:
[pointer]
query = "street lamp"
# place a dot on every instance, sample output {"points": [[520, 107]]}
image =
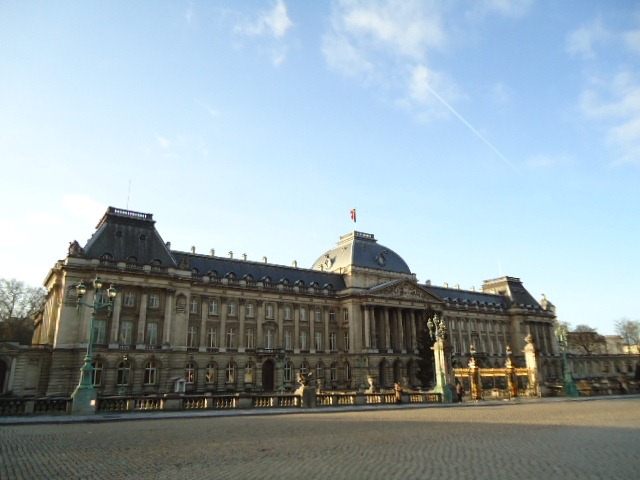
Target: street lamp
{"points": [[438, 332], [84, 396], [568, 385]]}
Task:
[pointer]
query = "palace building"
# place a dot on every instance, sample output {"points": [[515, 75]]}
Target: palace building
{"points": [[220, 324]]}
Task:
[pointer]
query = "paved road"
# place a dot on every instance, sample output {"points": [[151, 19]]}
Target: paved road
{"points": [[540, 440]]}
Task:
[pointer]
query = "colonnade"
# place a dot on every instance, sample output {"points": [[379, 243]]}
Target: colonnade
{"points": [[394, 329]]}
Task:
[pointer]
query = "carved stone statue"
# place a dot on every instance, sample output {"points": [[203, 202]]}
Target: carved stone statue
{"points": [[75, 250]]}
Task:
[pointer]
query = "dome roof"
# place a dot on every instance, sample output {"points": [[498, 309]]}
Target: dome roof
{"points": [[361, 250]]}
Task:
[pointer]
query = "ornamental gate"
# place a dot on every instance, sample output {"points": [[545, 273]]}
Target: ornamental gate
{"points": [[487, 383]]}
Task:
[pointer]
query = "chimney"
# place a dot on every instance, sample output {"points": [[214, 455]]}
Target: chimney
{"points": [[295, 264], [244, 257], [168, 245], [264, 259], [212, 252], [231, 254], [193, 249]]}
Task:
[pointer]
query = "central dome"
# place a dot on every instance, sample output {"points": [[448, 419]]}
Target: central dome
{"points": [[361, 250]]}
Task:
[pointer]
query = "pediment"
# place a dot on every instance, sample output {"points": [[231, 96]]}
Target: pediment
{"points": [[403, 290]]}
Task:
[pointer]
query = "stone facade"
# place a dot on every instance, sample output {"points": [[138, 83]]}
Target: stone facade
{"points": [[231, 324]]}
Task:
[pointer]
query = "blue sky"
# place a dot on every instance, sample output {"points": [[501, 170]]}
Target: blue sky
{"points": [[476, 139]]}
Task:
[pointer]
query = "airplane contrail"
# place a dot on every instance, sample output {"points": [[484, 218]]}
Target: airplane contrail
{"points": [[470, 127]]}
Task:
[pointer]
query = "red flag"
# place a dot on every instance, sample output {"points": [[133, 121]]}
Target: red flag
{"points": [[353, 214]]}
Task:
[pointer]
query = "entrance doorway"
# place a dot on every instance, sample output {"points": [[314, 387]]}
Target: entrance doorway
{"points": [[268, 375]]}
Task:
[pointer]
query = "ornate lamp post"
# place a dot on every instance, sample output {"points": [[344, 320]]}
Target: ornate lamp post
{"points": [[568, 385], [84, 396], [512, 380], [438, 332]]}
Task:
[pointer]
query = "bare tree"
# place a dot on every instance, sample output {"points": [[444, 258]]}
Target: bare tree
{"points": [[19, 306], [629, 330], [585, 340]]}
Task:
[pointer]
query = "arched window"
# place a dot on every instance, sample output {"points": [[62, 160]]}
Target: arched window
{"points": [[230, 373], [288, 372], [124, 371], [190, 372], [249, 370], [96, 374], [211, 373], [334, 372], [320, 370], [150, 373], [347, 371], [304, 368]]}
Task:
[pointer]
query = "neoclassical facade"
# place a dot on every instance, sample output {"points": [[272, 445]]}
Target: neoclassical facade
{"points": [[224, 324]]}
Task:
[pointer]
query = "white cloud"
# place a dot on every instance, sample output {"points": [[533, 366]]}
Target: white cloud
{"points": [[387, 43], [614, 105], [542, 161], [275, 22], [583, 40]]}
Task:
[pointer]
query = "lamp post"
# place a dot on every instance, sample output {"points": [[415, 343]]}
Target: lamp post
{"points": [[84, 396], [568, 385], [438, 332]]}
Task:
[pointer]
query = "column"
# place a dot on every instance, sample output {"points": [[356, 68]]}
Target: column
{"points": [[259, 321], [326, 330], [414, 335], [374, 334], [367, 327], [400, 324], [312, 329], [280, 314], [142, 318], [242, 313], [224, 309], [296, 328], [387, 329], [168, 308], [115, 321], [204, 311]]}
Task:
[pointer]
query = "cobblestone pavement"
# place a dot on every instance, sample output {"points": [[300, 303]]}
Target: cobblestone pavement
{"points": [[568, 439]]}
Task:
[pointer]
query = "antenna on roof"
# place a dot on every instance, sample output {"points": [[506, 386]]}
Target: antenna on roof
{"points": [[128, 194]]}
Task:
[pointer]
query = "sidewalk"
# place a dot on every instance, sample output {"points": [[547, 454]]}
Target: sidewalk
{"points": [[163, 415]]}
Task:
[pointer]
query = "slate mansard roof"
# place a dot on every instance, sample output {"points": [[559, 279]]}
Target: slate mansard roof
{"points": [[361, 250], [126, 236]]}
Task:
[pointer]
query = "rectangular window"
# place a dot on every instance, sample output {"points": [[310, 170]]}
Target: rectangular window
{"points": [[345, 315], [287, 313], [126, 333], [303, 314], [232, 309], [303, 340], [333, 341], [250, 339], [152, 334], [250, 310], [99, 332], [332, 316], [212, 337], [347, 372], [346, 341], [102, 298], [193, 306], [334, 372], [154, 300], [318, 341], [318, 315], [231, 335], [213, 307], [269, 312], [287, 340], [129, 299], [269, 334], [192, 336]]}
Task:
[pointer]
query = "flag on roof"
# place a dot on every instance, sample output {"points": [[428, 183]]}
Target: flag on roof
{"points": [[353, 214]]}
